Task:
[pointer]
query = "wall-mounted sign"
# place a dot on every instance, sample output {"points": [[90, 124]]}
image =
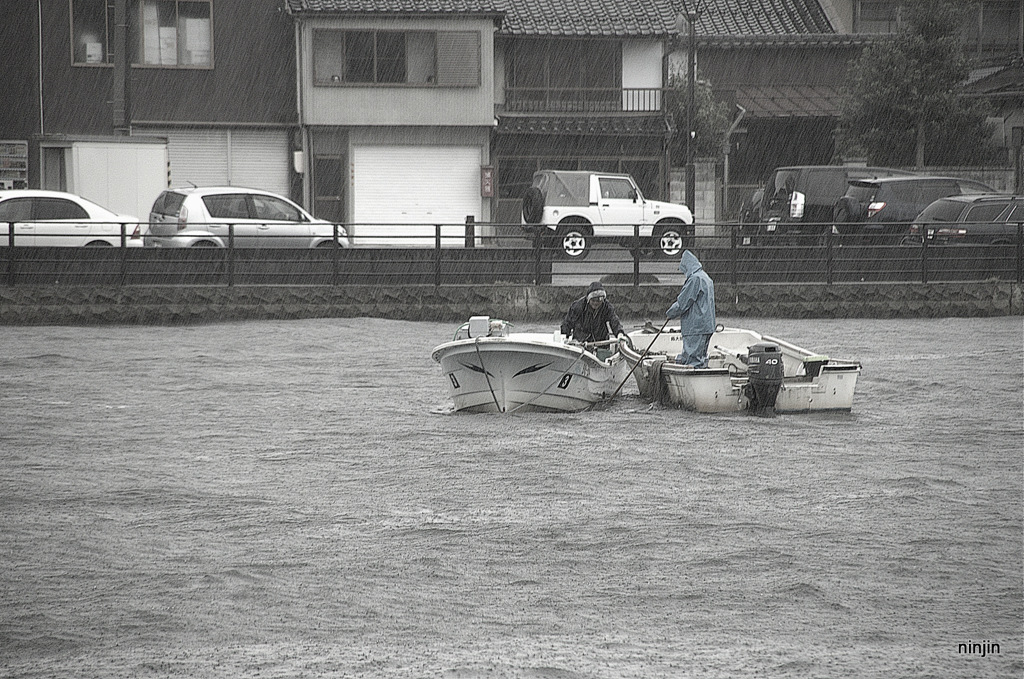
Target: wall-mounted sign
{"points": [[487, 181]]}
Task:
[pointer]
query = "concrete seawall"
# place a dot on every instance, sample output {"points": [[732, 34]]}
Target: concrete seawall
{"points": [[163, 305]]}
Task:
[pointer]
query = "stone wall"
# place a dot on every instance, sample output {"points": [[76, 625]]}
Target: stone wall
{"points": [[156, 305]]}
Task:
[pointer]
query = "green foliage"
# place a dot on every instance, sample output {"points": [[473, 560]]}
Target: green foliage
{"points": [[710, 125], [901, 102]]}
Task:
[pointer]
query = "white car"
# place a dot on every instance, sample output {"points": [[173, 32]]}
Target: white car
{"points": [[58, 219], [212, 216], [572, 208]]}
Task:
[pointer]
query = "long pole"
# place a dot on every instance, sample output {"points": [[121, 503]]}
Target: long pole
{"points": [[691, 180], [642, 357]]}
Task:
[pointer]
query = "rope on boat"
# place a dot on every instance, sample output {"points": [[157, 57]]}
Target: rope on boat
{"points": [[640, 360], [476, 345]]}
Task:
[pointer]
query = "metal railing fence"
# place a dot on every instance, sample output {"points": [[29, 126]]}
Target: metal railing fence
{"points": [[483, 253]]}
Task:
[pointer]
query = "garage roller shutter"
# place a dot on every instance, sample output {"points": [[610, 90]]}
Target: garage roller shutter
{"points": [[422, 185], [254, 158]]}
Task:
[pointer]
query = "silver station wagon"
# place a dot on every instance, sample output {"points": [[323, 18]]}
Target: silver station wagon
{"points": [[216, 216]]}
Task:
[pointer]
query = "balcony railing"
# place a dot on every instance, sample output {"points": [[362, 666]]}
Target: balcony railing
{"points": [[583, 100]]}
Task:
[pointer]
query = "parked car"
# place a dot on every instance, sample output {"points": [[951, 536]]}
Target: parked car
{"points": [[59, 219], [798, 200], [201, 217], [888, 205], [979, 219], [572, 208]]}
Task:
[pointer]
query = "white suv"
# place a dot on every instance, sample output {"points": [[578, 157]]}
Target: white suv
{"points": [[211, 216], [575, 207]]}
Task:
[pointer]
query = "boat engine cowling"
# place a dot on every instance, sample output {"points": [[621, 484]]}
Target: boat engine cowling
{"points": [[764, 373]]}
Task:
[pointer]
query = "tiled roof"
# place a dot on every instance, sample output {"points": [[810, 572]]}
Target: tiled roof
{"points": [[477, 7], [584, 18], [758, 17], [624, 126], [789, 101], [591, 18]]}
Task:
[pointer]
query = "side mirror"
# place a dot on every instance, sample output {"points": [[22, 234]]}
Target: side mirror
{"points": [[633, 194]]}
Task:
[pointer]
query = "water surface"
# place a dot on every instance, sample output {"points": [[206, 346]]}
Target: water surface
{"points": [[296, 499]]}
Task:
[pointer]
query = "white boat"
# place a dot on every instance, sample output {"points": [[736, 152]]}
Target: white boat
{"points": [[746, 371], [491, 369]]}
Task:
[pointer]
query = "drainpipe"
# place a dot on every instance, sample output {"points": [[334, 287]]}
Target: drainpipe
{"points": [[39, 8], [120, 92], [303, 163]]}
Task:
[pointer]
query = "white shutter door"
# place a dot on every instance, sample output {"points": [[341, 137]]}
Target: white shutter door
{"points": [[253, 158], [414, 185], [408, 184], [197, 157], [259, 160]]}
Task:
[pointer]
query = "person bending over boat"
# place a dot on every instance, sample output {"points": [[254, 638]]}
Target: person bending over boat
{"points": [[589, 318], [695, 309]]}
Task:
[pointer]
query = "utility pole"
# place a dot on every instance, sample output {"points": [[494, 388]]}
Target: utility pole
{"points": [[691, 133]]}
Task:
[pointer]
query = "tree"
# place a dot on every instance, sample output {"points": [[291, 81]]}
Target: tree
{"points": [[710, 123], [901, 105]]}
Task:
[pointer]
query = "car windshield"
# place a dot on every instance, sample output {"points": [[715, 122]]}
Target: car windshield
{"points": [[780, 179]]}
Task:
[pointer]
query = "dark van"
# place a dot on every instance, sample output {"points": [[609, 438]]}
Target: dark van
{"points": [[798, 200]]}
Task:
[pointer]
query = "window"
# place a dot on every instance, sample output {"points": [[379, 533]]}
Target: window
{"points": [[877, 17], [268, 207], [996, 27], [16, 210], [617, 189], [48, 209], [227, 206], [574, 75], [92, 24], [985, 213], [450, 59], [173, 32]]}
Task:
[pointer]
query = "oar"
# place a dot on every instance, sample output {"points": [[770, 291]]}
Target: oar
{"points": [[642, 357]]}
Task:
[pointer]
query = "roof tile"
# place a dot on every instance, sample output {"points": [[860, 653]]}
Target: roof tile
{"points": [[585, 18]]}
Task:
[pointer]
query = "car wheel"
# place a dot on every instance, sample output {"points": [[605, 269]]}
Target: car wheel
{"points": [[573, 241], [325, 244], [98, 244], [670, 239], [204, 244], [533, 206], [842, 218]]}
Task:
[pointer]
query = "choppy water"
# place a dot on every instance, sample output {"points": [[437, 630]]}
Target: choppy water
{"points": [[294, 499]]}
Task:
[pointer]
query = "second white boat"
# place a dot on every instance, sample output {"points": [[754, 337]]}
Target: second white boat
{"points": [[746, 371]]}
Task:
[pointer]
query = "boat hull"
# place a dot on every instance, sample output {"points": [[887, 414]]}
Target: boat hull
{"points": [[810, 383], [526, 372]]}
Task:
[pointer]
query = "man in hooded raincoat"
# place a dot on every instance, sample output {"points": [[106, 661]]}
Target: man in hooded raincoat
{"points": [[589, 317], [695, 309]]}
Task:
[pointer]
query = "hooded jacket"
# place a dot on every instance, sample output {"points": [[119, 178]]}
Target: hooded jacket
{"points": [[695, 306], [588, 325]]}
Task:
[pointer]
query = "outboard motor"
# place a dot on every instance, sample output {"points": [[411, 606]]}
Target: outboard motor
{"points": [[765, 371]]}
